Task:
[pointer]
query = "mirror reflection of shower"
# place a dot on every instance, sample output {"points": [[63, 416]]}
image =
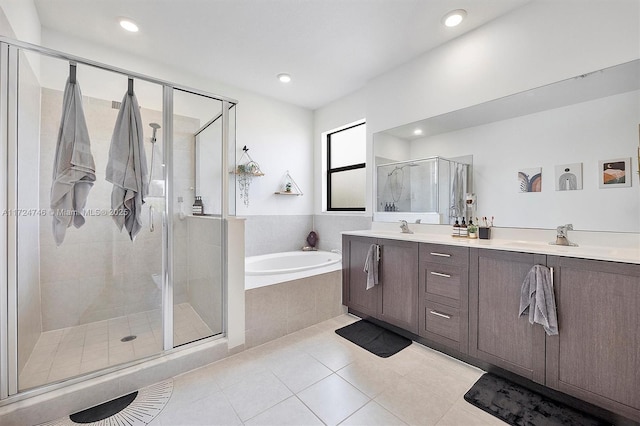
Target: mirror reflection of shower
{"points": [[395, 183]]}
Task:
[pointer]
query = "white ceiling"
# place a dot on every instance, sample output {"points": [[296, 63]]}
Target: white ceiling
{"points": [[330, 47]]}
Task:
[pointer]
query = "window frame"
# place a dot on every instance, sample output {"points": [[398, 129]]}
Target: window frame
{"points": [[331, 171]]}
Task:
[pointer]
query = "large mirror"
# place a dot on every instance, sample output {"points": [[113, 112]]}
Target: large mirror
{"points": [[562, 153]]}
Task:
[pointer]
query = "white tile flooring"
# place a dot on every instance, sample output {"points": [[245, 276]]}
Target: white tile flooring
{"points": [[315, 377], [68, 352]]}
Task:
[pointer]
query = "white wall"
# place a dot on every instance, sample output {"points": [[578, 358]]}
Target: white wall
{"points": [[20, 21], [537, 44]]}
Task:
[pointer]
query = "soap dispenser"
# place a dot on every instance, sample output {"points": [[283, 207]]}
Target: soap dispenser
{"points": [[456, 229], [463, 229]]}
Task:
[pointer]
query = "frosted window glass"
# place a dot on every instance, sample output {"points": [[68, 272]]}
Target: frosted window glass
{"points": [[348, 189], [348, 147]]}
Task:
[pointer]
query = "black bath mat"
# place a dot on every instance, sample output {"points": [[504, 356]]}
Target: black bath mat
{"points": [[373, 338], [519, 406], [104, 410]]}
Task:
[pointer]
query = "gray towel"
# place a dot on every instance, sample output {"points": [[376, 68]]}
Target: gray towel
{"points": [[458, 190], [127, 167], [74, 170], [371, 265], [537, 297]]}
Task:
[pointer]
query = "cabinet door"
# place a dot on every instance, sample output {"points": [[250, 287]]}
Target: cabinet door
{"points": [[398, 299], [596, 355], [354, 280], [496, 333]]}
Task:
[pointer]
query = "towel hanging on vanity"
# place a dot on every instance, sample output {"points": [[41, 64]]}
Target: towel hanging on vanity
{"points": [[127, 166], [538, 299], [371, 265], [74, 170]]}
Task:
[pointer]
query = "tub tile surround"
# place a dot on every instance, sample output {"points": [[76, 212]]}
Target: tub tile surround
{"points": [[267, 234], [277, 310], [312, 376]]}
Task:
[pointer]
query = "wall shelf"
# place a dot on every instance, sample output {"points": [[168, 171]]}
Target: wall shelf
{"points": [[291, 185]]}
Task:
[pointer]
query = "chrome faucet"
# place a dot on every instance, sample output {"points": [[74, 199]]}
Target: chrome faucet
{"points": [[405, 227], [561, 237]]}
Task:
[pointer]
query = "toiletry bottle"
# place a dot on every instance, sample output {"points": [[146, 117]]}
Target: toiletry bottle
{"points": [[456, 229], [393, 207], [198, 208], [463, 229]]}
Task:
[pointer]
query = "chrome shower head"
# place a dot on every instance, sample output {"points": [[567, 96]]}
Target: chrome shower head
{"points": [[155, 127]]}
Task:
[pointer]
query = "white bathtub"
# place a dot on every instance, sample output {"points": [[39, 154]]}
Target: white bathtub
{"points": [[275, 268]]}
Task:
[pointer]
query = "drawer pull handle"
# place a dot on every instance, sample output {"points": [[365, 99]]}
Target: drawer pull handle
{"points": [[440, 315], [440, 274], [440, 254]]}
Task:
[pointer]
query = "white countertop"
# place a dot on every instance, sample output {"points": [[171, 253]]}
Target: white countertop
{"points": [[624, 254]]}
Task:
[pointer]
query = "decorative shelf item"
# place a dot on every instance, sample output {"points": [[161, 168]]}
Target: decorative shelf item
{"points": [[290, 186], [245, 172]]}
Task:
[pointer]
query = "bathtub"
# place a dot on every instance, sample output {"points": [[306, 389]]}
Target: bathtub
{"points": [[276, 268]]}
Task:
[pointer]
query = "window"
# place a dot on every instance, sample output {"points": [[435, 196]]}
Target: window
{"points": [[346, 173]]}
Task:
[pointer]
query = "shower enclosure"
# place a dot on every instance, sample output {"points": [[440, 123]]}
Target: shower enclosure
{"points": [[429, 189], [100, 300]]}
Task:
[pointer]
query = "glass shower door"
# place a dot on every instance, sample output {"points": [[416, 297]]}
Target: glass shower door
{"points": [[88, 295], [198, 222]]}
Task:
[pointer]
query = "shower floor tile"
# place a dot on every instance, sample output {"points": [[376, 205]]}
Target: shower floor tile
{"points": [[65, 353]]}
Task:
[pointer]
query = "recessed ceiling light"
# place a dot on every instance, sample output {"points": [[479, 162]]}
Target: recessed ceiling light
{"points": [[129, 25], [417, 132], [454, 17], [284, 77]]}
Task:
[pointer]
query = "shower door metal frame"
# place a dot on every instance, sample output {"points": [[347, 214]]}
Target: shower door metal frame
{"points": [[4, 301], [9, 53]]}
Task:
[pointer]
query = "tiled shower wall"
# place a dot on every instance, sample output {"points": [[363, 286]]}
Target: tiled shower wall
{"points": [[98, 272], [204, 269], [274, 234]]}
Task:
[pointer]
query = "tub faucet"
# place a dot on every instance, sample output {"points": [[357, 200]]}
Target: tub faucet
{"points": [[405, 227], [561, 237]]}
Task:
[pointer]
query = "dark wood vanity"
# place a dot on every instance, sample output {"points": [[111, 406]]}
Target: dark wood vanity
{"points": [[464, 301]]}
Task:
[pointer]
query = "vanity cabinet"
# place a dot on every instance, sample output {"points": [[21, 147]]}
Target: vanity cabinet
{"points": [[354, 280], [497, 334], [596, 355], [394, 300], [443, 294], [468, 299]]}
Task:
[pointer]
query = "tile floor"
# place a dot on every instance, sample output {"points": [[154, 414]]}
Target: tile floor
{"points": [[68, 352], [315, 377]]}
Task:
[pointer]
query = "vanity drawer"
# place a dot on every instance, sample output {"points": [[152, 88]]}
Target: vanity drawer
{"points": [[442, 320], [443, 280], [444, 254]]}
